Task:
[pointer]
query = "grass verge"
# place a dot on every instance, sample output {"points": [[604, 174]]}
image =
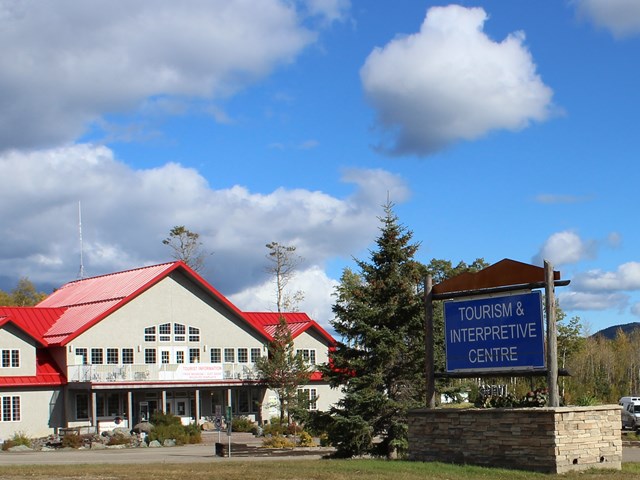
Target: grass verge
{"points": [[295, 470]]}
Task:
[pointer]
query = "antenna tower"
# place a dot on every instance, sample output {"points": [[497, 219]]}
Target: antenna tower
{"points": [[81, 271]]}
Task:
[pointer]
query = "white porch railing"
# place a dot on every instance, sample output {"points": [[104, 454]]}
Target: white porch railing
{"points": [[163, 372]]}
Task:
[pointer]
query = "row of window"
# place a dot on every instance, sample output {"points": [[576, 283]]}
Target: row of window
{"points": [[168, 332], [10, 408], [125, 356], [115, 356], [10, 358]]}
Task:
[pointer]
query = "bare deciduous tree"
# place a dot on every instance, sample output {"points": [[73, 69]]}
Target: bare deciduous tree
{"points": [[186, 246]]}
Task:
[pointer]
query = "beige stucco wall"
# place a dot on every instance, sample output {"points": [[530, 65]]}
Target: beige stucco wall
{"points": [[41, 412], [14, 338]]}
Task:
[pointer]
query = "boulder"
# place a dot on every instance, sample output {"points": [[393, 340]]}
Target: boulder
{"points": [[155, 444], [169, 442], [143, 427]]}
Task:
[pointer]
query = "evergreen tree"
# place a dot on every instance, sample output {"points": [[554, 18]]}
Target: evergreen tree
{"points": [[283, 371], [379, 317]]}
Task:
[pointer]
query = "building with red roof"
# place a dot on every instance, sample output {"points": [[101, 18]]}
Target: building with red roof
{"points": [[111, 350]]}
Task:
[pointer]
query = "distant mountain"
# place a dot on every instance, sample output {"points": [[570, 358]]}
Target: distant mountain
{"points": [[611, 332]]}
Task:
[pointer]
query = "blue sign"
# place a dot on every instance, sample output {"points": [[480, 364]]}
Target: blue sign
{"points": [[495, 333]]}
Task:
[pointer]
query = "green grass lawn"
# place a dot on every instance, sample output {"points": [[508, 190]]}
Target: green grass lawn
{"points": [[294, 470]]}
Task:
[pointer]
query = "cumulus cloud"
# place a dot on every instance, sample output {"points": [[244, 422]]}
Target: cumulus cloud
{"points": [[66, 64], [126, 213], [316, 286], [592, 301], [451, 82], [621, 17], [626, 277], [564, 248]]}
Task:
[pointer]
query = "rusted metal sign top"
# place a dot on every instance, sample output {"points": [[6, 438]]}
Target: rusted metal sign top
{"points": [[505, 273]]}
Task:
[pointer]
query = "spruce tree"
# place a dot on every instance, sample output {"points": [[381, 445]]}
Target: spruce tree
{"points": [[380, 360]]}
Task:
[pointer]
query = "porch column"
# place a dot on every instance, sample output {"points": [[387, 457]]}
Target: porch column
{"points": [[163, 408], [130, 408], [197, 401], [94, 408]]}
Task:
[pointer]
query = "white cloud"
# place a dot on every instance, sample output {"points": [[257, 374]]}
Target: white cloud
{"points": [[556, 198], [621, 17], [451, 82], [592, 301], [316, 286], [626, 277], [329, 10], [564, 248], [66, 64], [126, 213]]}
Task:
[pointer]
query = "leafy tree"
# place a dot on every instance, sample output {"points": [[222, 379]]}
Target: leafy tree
{"points": [[24, 295], [283, 370], [283, 263], [379, 316], [186, 246]]}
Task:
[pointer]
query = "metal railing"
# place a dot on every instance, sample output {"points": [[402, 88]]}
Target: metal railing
{"points": [[163, 372]]}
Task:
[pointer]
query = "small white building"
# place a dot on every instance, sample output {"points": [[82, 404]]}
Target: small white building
{"points": [[111, 350]]}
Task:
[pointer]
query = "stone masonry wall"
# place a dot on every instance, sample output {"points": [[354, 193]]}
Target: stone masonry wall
{"points": [[551, 440]]}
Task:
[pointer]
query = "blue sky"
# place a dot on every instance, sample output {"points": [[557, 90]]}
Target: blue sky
{"points": [[500, 129]]}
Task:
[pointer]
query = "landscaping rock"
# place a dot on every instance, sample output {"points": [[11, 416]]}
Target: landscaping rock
{"points": [[155, 444], [169, 443]]}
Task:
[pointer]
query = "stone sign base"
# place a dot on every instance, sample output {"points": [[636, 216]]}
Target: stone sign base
{"points": [[550, 440]]}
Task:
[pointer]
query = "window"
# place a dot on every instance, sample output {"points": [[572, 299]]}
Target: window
{"points": [[82, 406], [194, 334], [179, 356], [150, 334], [150, 356], [164, 332], [243, 355], [82, 352], [229, 355], [255, 355], [309, 396], [179, 332], [112, 356], [309, 356], [127, 356], [216, 355], [10, 358], [194, 355], [97, 356], [10, 409], [164, 356]]}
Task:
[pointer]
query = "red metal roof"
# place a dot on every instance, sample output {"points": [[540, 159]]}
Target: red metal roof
{"points": [[90, 300], [298, 322], [47, 373], [114, 286], [33, 321]]}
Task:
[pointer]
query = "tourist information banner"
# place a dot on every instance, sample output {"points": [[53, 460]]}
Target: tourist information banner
{"points": [[498, 333]]}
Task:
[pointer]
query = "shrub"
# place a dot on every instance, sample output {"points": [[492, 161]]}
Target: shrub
{"points": [[278, 442], [242, 424], [306, 440], [169, 427], [72, 440], [19, 438], [119, 439]]}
